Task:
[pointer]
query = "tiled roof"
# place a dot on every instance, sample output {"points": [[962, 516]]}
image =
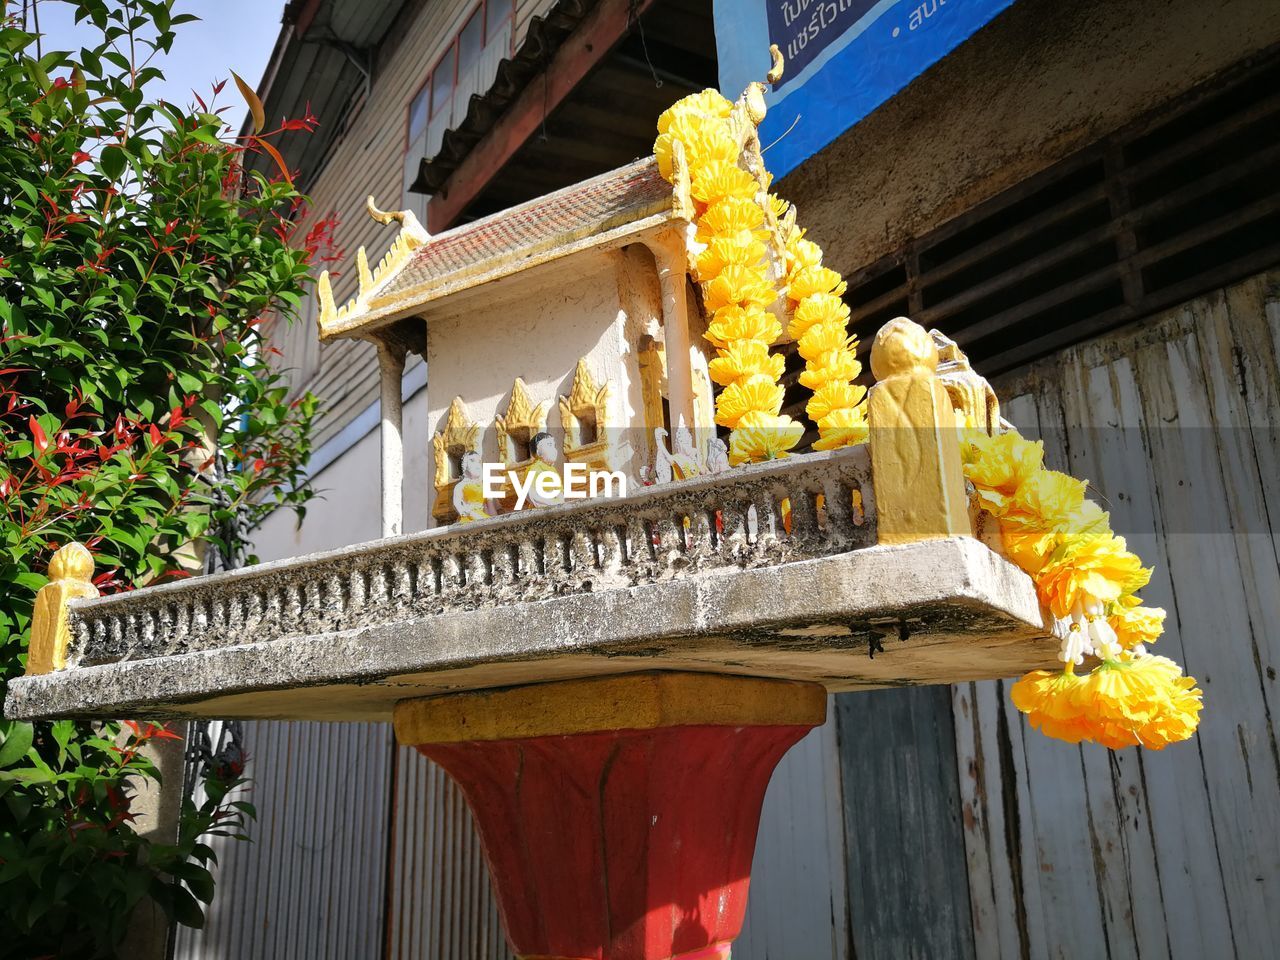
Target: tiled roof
{"points": [[621, 196]]}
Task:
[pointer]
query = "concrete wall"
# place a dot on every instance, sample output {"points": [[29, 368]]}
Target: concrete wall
{"points": [[1039, 82], [348, 508]]}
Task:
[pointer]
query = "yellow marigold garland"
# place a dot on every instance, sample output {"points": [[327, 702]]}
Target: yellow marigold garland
{"points": [[737, 291], [734, 275], [1088, 579], [1084, 573], [819, 324]]}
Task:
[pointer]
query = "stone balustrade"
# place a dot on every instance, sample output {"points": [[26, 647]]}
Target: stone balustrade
{"points": [[731, 520]]}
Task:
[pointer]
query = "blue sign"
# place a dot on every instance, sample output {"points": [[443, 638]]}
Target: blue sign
{"points": [[843, 59]]}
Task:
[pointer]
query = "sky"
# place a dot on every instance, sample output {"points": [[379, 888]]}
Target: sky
{"points": [[231, 35]]}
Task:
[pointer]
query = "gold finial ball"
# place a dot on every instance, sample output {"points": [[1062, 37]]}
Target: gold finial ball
{"points": [[903, 346], [72, 562]]}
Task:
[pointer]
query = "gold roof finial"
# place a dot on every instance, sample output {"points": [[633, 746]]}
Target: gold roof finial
{"points": [[412, 236], [775, 71], [409, 224]]}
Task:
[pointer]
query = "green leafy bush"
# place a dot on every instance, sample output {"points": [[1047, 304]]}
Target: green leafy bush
{"points": [[139, 413]]}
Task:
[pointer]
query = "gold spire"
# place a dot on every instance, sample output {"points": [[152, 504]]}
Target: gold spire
{"points": [[412, 235]]}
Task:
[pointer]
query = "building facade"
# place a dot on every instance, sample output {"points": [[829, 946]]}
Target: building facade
{"points": [[1085, 197]]}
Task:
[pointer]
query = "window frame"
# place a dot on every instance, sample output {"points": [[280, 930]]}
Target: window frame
{"points": [[481, 9]]}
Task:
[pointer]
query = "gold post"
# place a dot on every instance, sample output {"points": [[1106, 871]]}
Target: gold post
{"points": [[915, 447], [70, 577]]}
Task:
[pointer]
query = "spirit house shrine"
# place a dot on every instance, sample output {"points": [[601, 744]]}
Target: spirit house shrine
{"points": [[612, 679]]}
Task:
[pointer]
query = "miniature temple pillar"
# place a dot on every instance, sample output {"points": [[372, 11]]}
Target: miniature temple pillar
{"points": [[669, 253], [618, 814], [915, 444], [391, 357]]}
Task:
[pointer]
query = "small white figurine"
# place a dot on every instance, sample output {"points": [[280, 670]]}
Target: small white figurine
{"points": [[545, 454], [717, 456], [680, 464], [468, 493]]}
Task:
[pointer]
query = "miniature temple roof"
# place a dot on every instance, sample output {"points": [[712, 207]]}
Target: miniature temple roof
{"points": [[420, 268]]}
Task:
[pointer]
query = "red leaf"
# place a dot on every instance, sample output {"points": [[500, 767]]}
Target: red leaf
{"points": [[255, 105], [38, 434], [275, 155]]}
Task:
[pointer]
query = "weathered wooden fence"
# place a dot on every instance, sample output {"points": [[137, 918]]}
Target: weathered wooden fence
{"points": [[1078, 852]]}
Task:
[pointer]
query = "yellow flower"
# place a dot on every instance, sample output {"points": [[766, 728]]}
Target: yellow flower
{"points": [[729, 216], [745, 358], [1180, 718], [756, 393], [802, 253], [740, 248], [778, 206], [764, 437], [721, 180], [1049, 496], [739, 286], [742, 323], [1145, 701], [815, 309], [842, 428], [1028, 545], [832, 397], [999, 465], [1089, 567], [1047, 698], [706, 141], [822, 338], [834, 365], [710, 103], [1136, 625], [810, 280]]}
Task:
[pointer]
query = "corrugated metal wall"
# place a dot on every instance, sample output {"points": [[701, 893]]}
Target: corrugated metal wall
{"points": [[797, 906], [441, 903], [311, 883], [1078, 852]]}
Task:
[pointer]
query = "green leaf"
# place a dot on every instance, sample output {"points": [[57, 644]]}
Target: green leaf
{"points": [[186, 909], [17, 742], [112, 161]]}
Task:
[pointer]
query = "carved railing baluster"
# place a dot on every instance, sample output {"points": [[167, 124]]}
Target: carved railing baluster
{"points": [[768, 524], [697, 529], [733, 530], [660, 532], [612, 548]]}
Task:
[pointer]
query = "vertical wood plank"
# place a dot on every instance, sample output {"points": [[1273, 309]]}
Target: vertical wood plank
{"points": [[908, 883], [1177, 424]]}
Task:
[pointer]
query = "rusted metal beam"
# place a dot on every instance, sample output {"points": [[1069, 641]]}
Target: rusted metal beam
{"points": [[585, 48]]}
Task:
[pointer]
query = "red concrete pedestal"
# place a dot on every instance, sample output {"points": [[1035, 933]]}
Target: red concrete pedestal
{"points": [[619, 815]]}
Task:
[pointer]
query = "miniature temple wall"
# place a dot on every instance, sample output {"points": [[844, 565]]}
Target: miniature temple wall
{"points": [[592, 306]]}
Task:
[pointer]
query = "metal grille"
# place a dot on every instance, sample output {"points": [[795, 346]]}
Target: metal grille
{"points": [[1184, 201]]}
